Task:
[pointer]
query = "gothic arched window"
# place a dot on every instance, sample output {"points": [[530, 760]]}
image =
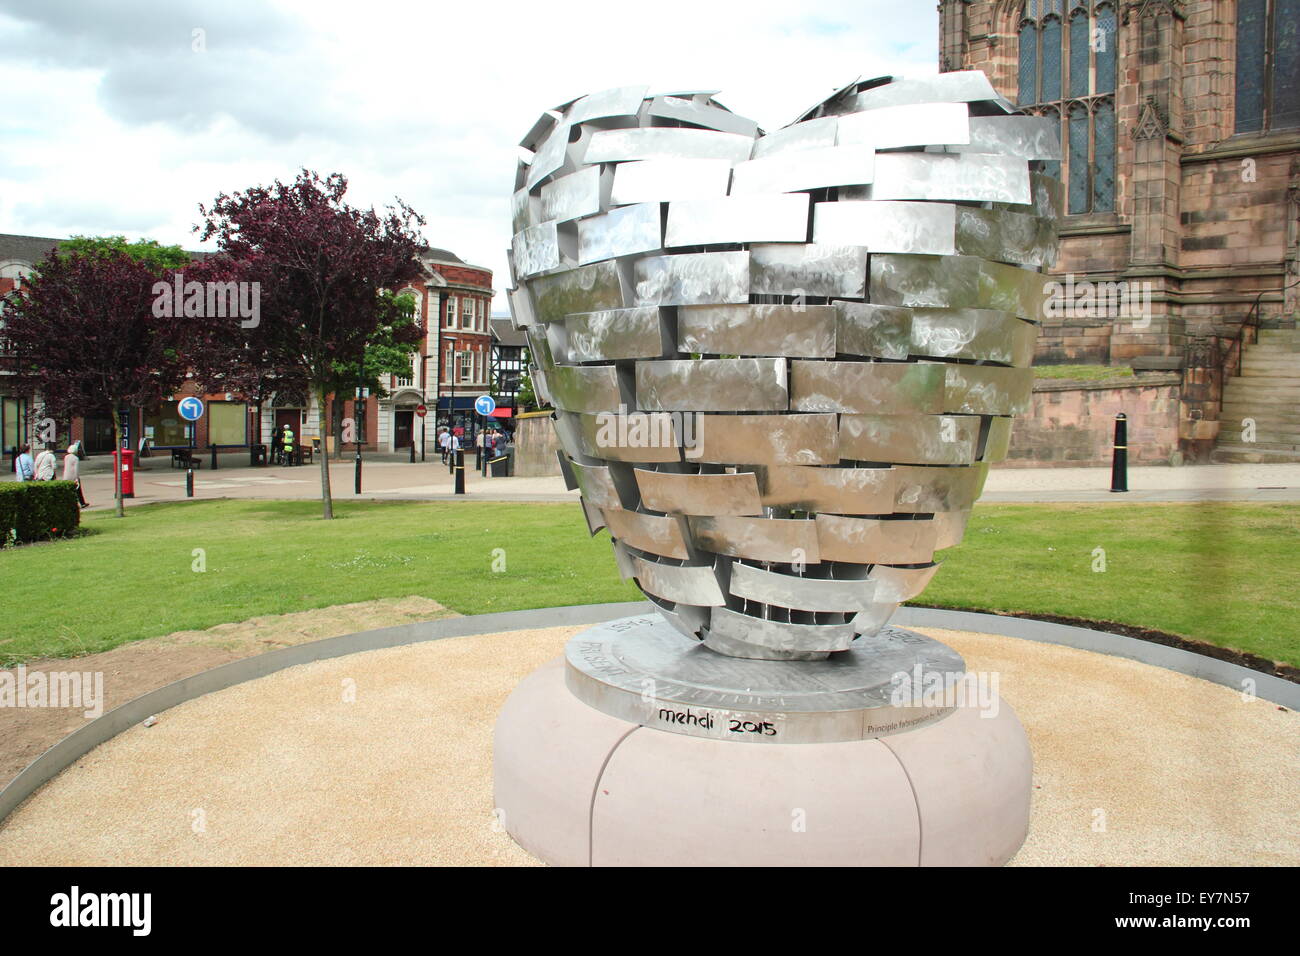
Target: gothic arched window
{"points": [[1268, 61], [1068, 61]]}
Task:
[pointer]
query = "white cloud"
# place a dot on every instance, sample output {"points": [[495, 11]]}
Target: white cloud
{"points": [[122, 127]]}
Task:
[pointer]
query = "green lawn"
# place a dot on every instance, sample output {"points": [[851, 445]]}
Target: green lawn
{"points": [[1226, 573], [1083, 373]]}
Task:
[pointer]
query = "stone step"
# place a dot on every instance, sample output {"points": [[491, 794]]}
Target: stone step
{"points": [[1263, 388], [1289, 382], [1252, 455], [1278, 421], [1282, 365]]}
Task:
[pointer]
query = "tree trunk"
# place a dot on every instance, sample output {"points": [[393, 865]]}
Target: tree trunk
{"points": [[322, 420], [117, 471]]}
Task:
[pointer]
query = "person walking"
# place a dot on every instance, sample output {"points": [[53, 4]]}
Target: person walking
{"points": [[72, 470], [444, 442], [24, 467], [45, 466], [286, 442]]}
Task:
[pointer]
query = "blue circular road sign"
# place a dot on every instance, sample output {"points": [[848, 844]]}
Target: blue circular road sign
{"points": [[191, 408], [485, 405]]}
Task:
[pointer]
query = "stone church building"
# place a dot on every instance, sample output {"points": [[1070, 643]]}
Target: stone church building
{"points": [[1180, 132]]}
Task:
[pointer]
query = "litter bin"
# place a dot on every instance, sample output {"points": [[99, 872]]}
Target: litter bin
{"points": [[503, 463], [257, 455], [127, 470]]}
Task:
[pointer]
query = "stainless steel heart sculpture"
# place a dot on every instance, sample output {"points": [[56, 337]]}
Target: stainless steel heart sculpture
{"points": [[781, 364]]}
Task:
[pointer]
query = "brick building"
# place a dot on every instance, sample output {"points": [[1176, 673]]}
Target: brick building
{"points": [[1180, 127], [452, 297]]}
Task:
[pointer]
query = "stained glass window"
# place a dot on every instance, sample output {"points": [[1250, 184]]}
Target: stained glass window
{"points": [[1068, 69], [1052, 49], [1080, 40], [1028, 64], [1285, 112], [1078, 159], [1103, 165], [1252, 28], [1105, 40]]}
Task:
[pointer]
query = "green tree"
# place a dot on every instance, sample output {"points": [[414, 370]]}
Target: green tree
{"points": [[148, 251]]}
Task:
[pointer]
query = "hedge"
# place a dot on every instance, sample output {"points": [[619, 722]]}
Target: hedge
{"points": [[37, 511]]}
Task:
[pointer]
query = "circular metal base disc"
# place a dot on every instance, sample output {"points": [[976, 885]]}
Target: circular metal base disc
{"points": [[643, 670]]}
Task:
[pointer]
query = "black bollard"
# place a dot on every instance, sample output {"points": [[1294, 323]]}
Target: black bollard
{"points": [[1119, 461], [214, 457], [356, 490], [460, 472], [412, 451], [189, 482]]}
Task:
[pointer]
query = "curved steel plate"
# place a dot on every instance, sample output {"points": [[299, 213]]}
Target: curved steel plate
{"points": [[584, 289], [878, 331], [921, 124], [806, 331], [767, 440], [616, 334], [997, 441], [854, 491], [652, 533], [596, 484], [1012, 237], [779, 635], [909, 439], [915, 227], [959, 86], [639, 437], [810, 134], [957, 282], [661, 180], [692, 584], [872, 541], [955, 176], [571, 196], [1028, 137], [701, 278], [584, 388], [950, 526], [921, 490], [987, 390], [536, 250], [622, 145], [808, 269], [699, 112], [812, 168], [881, 388], [728, 385], [674, 493], [981, 335], [896, 585], [784, 540], [624, 231], [700, 222], [620, 101], [798, 592]]}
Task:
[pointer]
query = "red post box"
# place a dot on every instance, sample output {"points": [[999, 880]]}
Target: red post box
{"points": [[127, 471]]}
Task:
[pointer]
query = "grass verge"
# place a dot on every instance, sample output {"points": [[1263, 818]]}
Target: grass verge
{"points": [[1226, 573]]}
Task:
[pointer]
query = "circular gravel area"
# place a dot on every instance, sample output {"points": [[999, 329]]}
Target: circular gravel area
{"points": [[385, 757]]}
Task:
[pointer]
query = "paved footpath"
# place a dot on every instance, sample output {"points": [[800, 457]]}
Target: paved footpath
{"points": [[395, 478]]}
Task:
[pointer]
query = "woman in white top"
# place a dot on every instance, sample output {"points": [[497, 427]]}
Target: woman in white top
{"points": [[72, 470], [45, 466]]}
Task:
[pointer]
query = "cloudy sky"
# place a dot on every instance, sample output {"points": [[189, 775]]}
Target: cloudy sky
{"points": [[123, 115]]}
